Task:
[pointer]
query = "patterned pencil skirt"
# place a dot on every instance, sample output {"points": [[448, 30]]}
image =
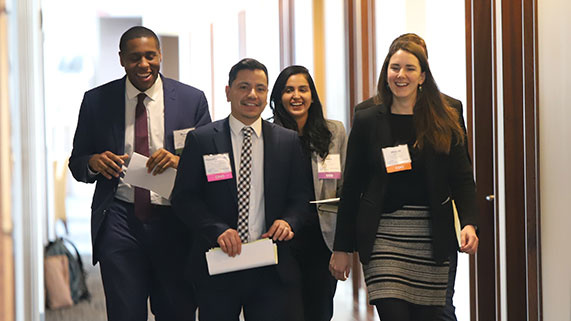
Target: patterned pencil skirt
{"points": [[401, 265]]}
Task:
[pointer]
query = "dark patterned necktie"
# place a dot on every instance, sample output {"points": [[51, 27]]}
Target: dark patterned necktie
{"points": [[142, 196], [244, 184]]}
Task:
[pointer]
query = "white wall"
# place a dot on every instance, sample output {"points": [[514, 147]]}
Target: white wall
{"points": [[555, 155]]}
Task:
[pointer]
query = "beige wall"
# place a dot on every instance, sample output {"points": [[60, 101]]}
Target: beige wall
{"points": [[6, 259], [555, 155]]}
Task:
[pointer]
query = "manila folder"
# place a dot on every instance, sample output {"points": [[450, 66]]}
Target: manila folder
{"points": [[255, 254], [457, 226]]}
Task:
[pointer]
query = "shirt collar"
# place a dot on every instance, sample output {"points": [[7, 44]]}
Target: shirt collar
{"points": [[236, 126], [152, 92]]}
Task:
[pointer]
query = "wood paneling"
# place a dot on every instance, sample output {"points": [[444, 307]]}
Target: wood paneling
{"points": [[521, 176], [319, 71], [6, 247], [521, 160], [481, 124], [361, 51]]}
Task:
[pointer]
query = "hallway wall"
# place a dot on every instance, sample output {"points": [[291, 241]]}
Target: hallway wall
{"points": [[554, 69]]}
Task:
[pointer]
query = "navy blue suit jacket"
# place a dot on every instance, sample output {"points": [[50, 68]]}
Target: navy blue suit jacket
{"points": [[101, 127], [210, 208]]}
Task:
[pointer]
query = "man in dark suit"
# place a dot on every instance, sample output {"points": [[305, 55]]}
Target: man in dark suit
{"points": [[266, 196], [138, 242], [448, 312]]}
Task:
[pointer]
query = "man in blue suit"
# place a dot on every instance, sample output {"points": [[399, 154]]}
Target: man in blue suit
{"points": [[241, 179], [138, 242]]}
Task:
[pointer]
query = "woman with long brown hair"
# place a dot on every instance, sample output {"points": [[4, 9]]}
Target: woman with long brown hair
{"points": [[406, 165]]}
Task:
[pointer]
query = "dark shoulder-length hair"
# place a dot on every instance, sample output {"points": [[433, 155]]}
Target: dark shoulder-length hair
{"points": [[316, 136], [436, 123]]}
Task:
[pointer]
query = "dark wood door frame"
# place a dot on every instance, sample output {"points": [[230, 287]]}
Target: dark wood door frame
{"points": [[481, 106], [521, 148]]}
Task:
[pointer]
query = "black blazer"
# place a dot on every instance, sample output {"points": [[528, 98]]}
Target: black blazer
{"points": [[454, 103], [210, 208], [101, 127], [366, 180]]}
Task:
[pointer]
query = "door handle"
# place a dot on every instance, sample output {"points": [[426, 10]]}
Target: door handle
{"points": [[490, 198]]}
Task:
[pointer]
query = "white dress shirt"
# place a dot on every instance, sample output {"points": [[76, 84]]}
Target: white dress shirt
{"points": [[154, 103], [256, 217]]}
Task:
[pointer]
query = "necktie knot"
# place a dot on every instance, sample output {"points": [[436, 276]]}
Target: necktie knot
{"points": [[247, 131], [141, 98]]}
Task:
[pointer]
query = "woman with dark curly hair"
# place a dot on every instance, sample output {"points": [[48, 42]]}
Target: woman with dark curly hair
{"points": [[296, 106]]}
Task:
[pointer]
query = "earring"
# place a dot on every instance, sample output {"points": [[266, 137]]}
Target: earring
{"points": [[419, 88]]}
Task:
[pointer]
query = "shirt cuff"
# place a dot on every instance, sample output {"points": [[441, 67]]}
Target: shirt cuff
{"points": [[90, 172]]}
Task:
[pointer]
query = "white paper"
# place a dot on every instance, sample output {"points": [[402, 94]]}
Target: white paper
{"points": [[255, 254], [325, 201], [457, 225], [396, 155], [330, 167], [137, 175], [179, 137], [217, 167]]}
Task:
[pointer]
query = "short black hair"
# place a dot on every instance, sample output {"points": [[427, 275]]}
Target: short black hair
{"points": [[137, 32], [246, 63]]}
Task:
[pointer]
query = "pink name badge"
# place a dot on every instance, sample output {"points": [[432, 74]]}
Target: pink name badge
{"points": [[330, 167], [329, 175], [219, 177], [217, 167]]}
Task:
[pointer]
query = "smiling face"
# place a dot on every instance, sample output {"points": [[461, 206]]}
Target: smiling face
{"points": [[142, 62], [248, 95], [296, 96], [404, 75]]}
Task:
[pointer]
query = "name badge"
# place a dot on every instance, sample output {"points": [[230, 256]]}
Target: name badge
{"points": [[217, 167], [330, 167], [179, 139], [397, 158]]}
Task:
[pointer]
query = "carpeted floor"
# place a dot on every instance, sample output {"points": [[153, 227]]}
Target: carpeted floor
{"points": [[345, 308], [93, 310]]}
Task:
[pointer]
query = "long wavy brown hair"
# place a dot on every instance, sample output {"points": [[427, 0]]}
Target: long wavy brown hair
{"points": [[435, 122]]}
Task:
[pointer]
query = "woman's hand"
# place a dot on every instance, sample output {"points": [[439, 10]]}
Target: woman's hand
{"points": [[469, 240], [340, 265]]}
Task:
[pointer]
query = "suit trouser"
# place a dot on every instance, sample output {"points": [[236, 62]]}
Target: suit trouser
{"points": [[139, 261], [317, 284], [260, 292], [448, 313]]}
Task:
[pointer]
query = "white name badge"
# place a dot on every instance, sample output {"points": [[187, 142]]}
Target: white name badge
{"points": [[397, 158], [330, 167], [179, 138], [217, 167]]}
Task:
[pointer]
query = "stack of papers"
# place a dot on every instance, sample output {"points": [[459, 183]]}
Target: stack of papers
{"points": [[137, 175], [255, 254]]}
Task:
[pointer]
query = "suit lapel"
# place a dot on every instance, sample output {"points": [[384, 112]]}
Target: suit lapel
{"points": [[270, 144], [317, 183], [223, 144], [117, 115], [383, 131], [170, 112]]}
